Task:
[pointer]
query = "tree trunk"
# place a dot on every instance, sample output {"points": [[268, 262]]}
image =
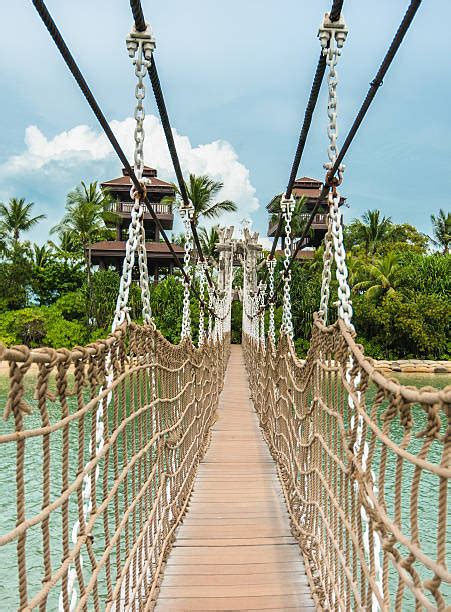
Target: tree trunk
{"points": [[87, 254]]}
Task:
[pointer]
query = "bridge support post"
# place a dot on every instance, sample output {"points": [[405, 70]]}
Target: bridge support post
{"points": [[251, 249], [225, 276]]}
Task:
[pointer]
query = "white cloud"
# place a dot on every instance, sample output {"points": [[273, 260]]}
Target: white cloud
{"points": [[49, 167]]}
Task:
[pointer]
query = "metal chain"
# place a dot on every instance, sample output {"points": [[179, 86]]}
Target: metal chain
{"points": [[261, 310], [344, 291], [134, 236], [210, 309], [271, 265], [332, 39], [140, 46], [187, 214], [201, 273], [327, 272], [332, 36], [287, 207]]}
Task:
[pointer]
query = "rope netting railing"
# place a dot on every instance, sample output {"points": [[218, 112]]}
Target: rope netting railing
{"points": [[364, 463], [102, 443]]}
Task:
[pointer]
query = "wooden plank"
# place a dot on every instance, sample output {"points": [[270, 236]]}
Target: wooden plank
{"points": [[223, 579], [231, 541], [236, 554], [234, 549], [220, 569], [297, 602], [234, 590], [232, 531]]}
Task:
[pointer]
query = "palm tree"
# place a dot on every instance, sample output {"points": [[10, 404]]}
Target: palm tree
{"points": [[15, 217], [382, 276], [41, 255], [208, 241], [202, 191], [372, 230], [88, 211], [441, 228], [69, 245]]}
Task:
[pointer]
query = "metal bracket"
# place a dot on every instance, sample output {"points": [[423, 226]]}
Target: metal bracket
{"points": [[144, 39], [332, 30]]}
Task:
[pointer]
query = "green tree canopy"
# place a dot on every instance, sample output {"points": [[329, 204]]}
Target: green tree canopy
{"points": [[441, 229], [202, 191], [369, 232], [208, 241], [16, 217]]}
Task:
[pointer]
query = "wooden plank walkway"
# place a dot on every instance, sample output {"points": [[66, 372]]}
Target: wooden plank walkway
{"points": [[234, 550]]}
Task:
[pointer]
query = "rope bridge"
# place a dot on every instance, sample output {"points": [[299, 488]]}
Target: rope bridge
{"points": [[104, 441], [124, 485], [364, 465]]}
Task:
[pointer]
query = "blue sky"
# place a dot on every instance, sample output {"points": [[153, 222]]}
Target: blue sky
{"points": [[236, 76]]}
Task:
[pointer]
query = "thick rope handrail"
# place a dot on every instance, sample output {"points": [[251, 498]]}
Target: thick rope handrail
{"points": [[84, 87], [151, 444], [348, 467]]}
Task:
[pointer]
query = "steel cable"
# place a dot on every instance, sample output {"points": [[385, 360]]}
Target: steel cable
{"points": [[374, 86], [81, 82]]}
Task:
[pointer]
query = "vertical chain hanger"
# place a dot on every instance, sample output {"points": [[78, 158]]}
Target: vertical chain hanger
{"points": [[140, 46], [332, 35], [271, 265], [201, 265], [186, 212], [287, 207]]}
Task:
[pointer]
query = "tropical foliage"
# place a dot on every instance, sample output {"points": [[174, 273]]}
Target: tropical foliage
{"points": [[441, 230], [50, 296], [16, 217], [208, 241], [202, 192]]}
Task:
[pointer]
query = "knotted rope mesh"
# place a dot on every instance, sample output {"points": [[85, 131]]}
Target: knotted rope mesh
{"points": [[362, 479], [157, 414]]}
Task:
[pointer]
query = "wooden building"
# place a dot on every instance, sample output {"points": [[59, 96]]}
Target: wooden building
{"points": [[309, 188], [111, 253]]}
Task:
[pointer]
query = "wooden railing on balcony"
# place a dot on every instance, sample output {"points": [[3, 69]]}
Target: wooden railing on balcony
{"points": [[318, 219], [126, 207]]}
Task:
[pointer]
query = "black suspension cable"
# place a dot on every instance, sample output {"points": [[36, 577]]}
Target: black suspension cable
{"points": [[161, 105], [374, 86], [334, 15], [72, 65], [140, 25], [138, 15]]}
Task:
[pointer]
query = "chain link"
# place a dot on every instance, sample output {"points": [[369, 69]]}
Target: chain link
{"points": [[344, 291], [261, 310], [327, 273], [187, 214], [287, 207], [332, 36], [271, 265], [140, 47], [201, 265]]}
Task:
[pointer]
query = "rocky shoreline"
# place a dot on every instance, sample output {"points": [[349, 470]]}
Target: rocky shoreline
{"points": [[414, 366]]}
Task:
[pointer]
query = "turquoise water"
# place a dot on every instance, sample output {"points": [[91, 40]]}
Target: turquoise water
{"points": [[33, 462], [429, 483]]}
